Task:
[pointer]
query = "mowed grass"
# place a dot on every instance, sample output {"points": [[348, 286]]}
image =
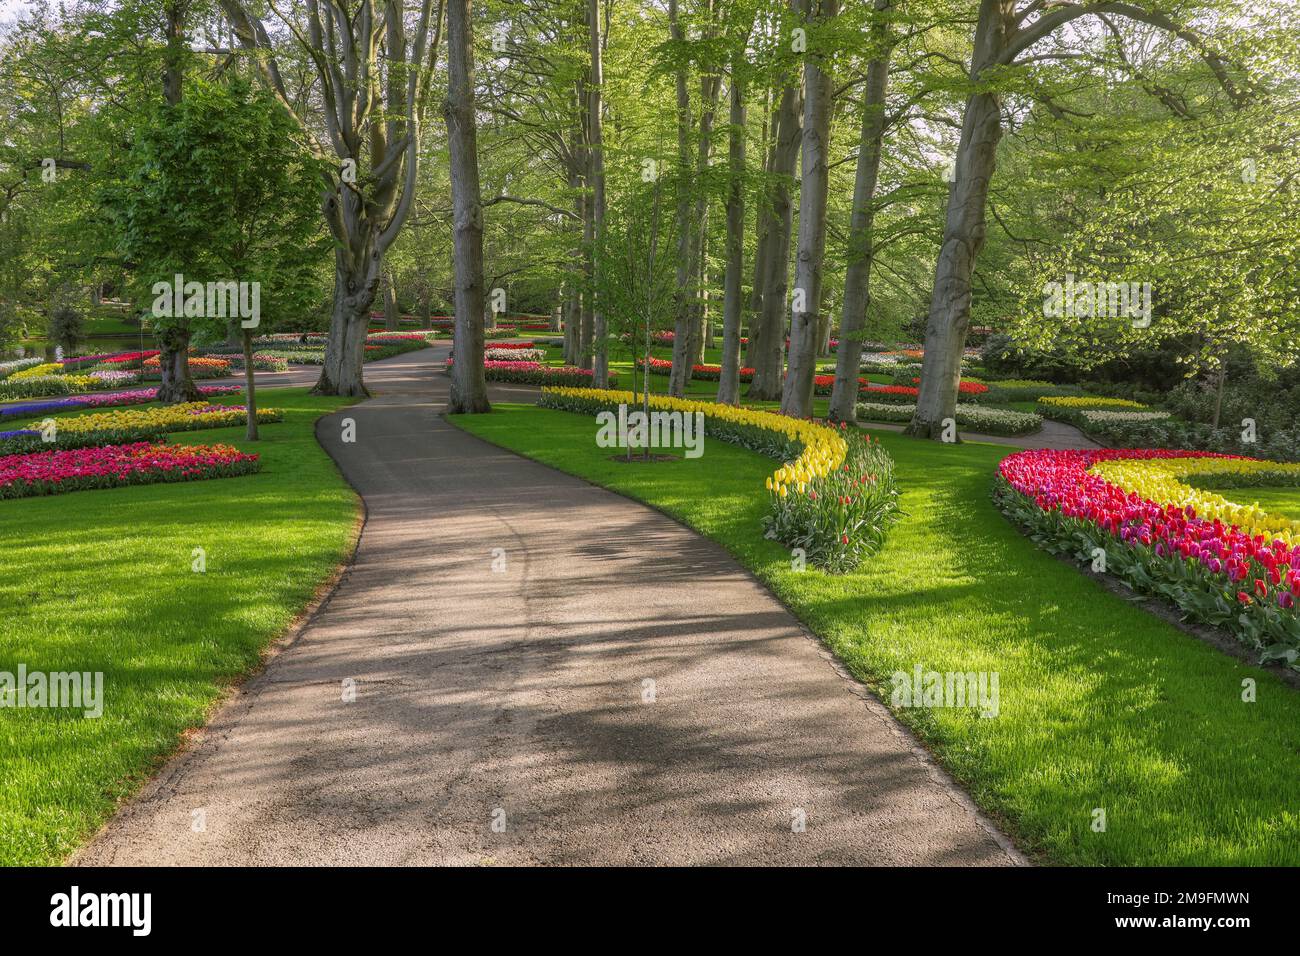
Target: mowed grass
{"points": [[1281, 501], [103, 581], [1102, 706]]}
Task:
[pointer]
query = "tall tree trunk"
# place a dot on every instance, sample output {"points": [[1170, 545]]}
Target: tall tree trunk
{"points": [[701, 324], [681, 303], [964, 231], [690, 237], [573, 305], [468, 385], [250, 388], [764, 224], [557, 311], [857, 276], [426, 310], [600, 364], [392, 317], [767, 360], [345, 347], [729, 380], [797, 400], [1221, 381], [175, 384]]}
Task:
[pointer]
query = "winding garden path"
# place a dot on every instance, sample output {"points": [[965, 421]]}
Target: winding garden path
{"points": [[504, 713]]}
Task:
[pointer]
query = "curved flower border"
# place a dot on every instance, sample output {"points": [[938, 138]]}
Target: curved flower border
{"points": [[1215, 572]]}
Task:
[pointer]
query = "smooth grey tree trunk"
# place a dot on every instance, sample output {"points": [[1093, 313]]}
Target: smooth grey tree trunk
{"points": [[174, 382], [767, 352], [595, 124], [857, 276], [468, 385], [689, 309], [797, 398], [573, 303], [729, 380], [250, 387], [392, 317], [964, 231], [764, 219]]}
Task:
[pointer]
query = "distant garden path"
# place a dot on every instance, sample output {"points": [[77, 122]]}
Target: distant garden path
{"points": [[520, 697]]}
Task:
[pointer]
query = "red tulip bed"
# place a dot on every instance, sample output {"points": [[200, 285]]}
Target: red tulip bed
{"points": [[535, 373], [907, 394], [199, 367], [113, 466], [1214, 573], [122, 360], [822, 384], [705, 373]]}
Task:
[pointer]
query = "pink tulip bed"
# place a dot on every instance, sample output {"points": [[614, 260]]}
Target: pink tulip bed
{"points": [[1214, 573], [114, 466]]}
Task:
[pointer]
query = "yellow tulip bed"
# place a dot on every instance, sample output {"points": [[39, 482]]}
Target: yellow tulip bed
{"points": [[46, 379], [36, 371], [1087, 401], [1075, 408], [1165, 480], [834, 497], [188, 416]]}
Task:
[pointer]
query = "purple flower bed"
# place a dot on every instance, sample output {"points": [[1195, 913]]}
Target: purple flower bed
{"points": [[137, 396]]}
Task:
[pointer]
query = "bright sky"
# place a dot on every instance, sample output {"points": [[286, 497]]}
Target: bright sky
{"points": [[10, 9]]}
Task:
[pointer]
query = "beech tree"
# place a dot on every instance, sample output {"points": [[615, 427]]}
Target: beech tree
{"points": [[857, 277], [798, 392], [468, 384], [372, 63], [1005, 33]]}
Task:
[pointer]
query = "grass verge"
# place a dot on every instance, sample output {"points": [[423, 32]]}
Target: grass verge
{"points": [[103, 581], [1102, 706]]}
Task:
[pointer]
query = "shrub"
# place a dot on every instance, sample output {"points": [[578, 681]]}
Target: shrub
{"points": [[67, 327], [1027, 390], [1278, 444]]}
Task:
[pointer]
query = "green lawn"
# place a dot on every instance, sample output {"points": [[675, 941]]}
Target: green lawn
{"points": [[1283, 501], [1102, 705], [102, 581]]}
